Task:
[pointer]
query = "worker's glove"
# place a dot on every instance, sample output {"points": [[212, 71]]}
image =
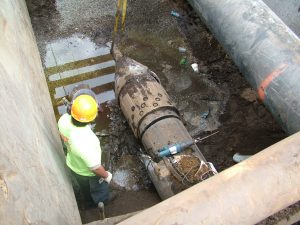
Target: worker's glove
{"points": [[107, 179]]}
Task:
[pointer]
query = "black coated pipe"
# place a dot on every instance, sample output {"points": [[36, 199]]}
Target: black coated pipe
{"points": [[266, 51]]}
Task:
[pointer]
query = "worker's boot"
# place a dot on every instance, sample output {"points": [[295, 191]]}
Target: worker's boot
{"points": [[101, 210]]}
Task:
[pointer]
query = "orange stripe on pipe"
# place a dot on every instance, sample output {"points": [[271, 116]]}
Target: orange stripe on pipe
{"points": [[266, 82]]}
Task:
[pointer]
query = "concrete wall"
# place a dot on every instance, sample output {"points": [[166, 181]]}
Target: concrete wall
{"points": [[34, 188]]}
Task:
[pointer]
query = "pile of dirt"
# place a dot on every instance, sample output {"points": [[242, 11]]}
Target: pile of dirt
{"points": [[188, 166]]}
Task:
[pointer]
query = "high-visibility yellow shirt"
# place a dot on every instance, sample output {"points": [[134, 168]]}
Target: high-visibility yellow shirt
{"points": [[65, 126], [84, 151]]}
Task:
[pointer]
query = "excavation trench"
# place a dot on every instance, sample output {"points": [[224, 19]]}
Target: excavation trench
{"points": [[73, 39]]}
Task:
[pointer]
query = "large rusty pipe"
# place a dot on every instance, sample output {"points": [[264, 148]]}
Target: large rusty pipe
{"points": [[154, 120], [147, 107], [264, 48], [243, 194]]}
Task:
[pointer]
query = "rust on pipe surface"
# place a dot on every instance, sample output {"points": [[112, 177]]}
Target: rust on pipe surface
{"points": [[243, 194], [140, 94]]}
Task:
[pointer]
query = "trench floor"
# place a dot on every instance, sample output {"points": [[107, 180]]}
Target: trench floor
{"points": [[74, 39]]}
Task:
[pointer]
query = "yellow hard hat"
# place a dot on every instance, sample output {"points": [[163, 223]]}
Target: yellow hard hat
{"points": [[84, 108]]}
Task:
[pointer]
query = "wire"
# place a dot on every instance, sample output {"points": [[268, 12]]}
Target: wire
{"points": [[201, 139]]}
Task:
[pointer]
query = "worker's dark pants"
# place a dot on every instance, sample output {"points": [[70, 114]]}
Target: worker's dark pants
{"points": [[91, 189]]}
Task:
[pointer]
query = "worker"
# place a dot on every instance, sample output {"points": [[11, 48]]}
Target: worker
{"points": [[83, 148]]}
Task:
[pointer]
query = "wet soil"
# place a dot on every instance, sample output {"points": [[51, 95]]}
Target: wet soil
{"points": [[139, 200], [245, 124], [216, 98]]}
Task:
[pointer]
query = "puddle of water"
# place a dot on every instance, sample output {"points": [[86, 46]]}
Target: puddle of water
{"points": [[77, 60], [128, 174], [125, 179]]}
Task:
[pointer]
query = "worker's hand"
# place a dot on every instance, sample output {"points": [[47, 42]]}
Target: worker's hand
{"points": [[109, 177]]}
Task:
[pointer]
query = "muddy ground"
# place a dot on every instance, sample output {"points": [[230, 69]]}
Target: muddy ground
{"points": [[216, 98]]}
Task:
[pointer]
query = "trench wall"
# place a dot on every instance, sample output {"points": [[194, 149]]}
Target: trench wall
{"points": [[34, 187]]}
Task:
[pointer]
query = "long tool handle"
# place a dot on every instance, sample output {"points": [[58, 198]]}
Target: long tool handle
{"points": [[101, 210], [201, 139], [118, 12], [124, 14]]}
